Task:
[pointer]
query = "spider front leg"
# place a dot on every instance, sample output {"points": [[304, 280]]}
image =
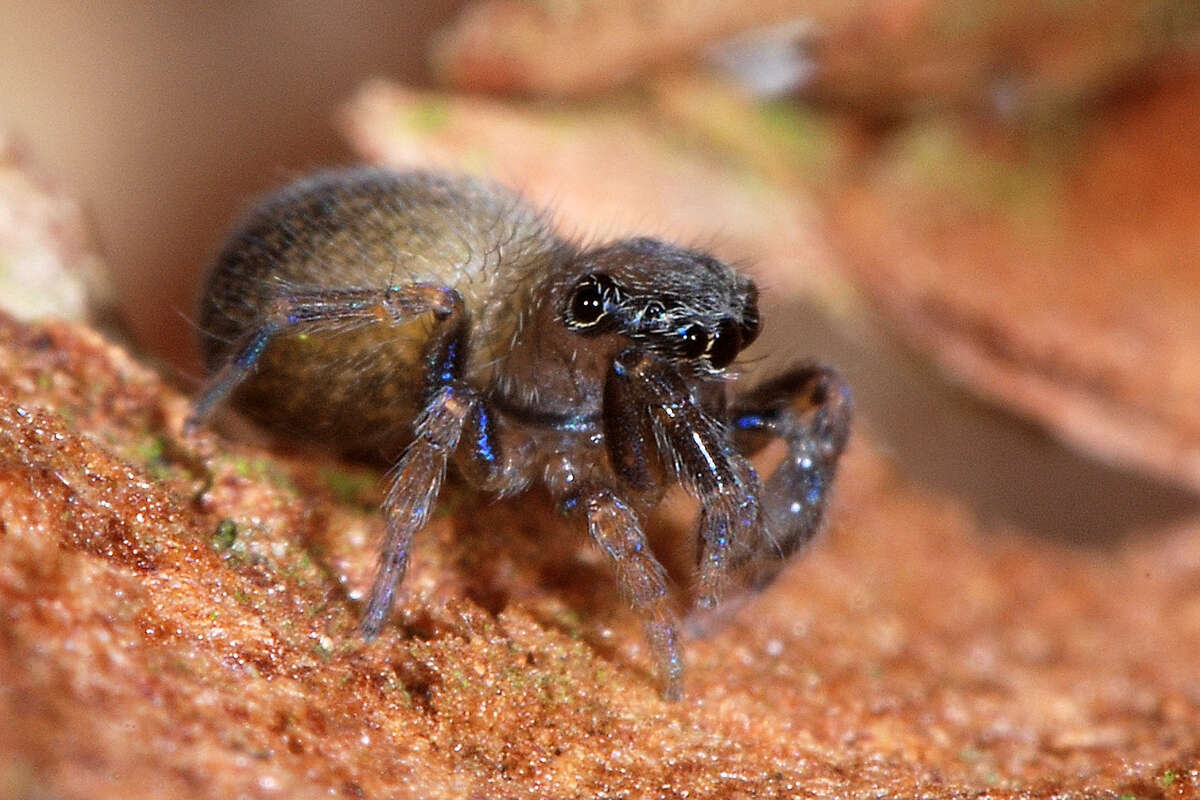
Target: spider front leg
{"points": [[698, 451], [809, 407]]}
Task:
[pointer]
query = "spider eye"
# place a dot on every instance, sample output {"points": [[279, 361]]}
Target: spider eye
{"points": [[749, 326], [694, 341], [653, 310], [588, 303], [725, 344]]}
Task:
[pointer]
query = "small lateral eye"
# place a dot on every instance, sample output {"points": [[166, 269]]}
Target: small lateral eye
{"points": [[749, 327], [694, 341], [588, 302], [725, 344]]}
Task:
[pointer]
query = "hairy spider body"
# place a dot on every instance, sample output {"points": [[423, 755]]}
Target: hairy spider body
{"points": [[438, 319]]}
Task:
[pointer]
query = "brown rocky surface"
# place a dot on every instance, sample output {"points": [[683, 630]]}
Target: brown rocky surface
{"points": [[179, 620], [180, 614], [585, 47], [887, 58], [1053, 270]]}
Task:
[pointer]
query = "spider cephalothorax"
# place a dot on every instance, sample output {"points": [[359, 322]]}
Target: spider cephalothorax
{"points": [[683, 304]]}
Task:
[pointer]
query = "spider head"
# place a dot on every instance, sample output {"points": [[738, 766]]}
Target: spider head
{"points": [[684, 305]]}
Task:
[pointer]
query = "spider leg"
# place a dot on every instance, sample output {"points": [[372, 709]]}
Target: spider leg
{"points": [[313, 308], [492, 457], [809, 407], [698, 451], [410, 501], [451, 407], [613, 525]]}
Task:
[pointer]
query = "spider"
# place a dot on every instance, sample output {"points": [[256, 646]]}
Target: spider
{"points": [[439, 319]]}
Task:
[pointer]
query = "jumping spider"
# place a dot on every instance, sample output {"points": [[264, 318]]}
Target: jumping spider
{"points": [[440, 317]]}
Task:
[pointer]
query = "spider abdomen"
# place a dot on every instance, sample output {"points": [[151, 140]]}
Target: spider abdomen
{"points": [[354, 385]]}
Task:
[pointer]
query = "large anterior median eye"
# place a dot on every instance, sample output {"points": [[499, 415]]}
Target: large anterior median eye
{"points": [[695, 341], [588, 303]]}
